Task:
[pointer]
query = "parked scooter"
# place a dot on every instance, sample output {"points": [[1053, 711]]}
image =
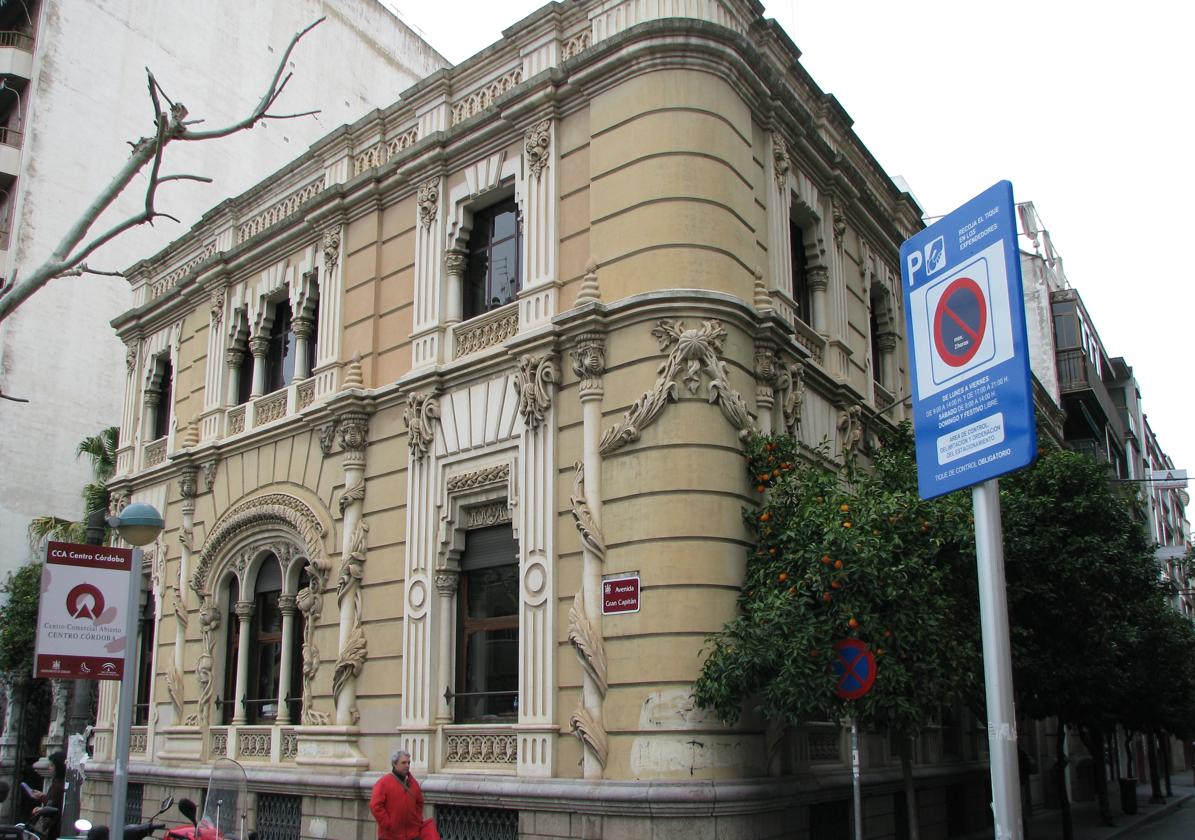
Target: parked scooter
{"points": [[140, 831], [225, 808]]}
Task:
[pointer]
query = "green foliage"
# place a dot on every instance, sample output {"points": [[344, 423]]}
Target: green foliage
{"points": [[101, 450], [20, 593], [856, 555], [1081, 580]]}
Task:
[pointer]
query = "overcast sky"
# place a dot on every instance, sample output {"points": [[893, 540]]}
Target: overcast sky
{"points": [[1086, 108]]}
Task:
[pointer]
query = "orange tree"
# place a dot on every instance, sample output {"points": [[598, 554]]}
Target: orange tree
{"points": [[848, 553]]}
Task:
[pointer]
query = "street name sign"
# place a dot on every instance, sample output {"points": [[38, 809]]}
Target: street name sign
{"points": [[620, 595], [81, 622], [968, 352]]}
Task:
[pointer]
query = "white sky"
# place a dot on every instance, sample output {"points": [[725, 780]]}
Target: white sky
{"points": [[1086, 108]]}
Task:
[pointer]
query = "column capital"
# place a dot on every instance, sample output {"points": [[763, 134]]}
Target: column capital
{"points": [[589, 363], [304, 326], [287, 605], [244, 611], [454, 262], [447, 582], [259, 345], [352, 431]]}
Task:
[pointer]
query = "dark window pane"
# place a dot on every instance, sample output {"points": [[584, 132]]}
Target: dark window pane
{"points": [[506, 223], [493, 592], [165, 398], [245, 379], [492, 271], [1064, 330], [800, 273], [504, 278], [492, 667], [280, 358]]}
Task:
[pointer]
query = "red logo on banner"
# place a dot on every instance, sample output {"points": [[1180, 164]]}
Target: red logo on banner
{"points": [[85, 601]]}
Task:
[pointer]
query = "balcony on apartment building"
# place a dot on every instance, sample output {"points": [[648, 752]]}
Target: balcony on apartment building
{"points": [[16, 55], [16, 69]]}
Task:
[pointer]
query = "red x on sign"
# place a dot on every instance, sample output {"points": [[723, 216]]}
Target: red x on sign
{"points": [[855, 667]]}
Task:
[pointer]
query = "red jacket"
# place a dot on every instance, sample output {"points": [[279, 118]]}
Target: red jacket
{"points": [[399, 812]]}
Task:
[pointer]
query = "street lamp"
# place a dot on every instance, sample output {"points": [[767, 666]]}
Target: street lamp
{"points": [[138, 524]]}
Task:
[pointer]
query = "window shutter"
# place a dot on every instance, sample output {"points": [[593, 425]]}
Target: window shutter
{"points": [[489, 547]]}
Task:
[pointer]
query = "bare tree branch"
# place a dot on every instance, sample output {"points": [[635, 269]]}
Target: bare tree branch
{"points": [[170, 124], [86, 269]]}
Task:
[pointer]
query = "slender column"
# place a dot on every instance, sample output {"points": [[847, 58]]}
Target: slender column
{"points": [[304, 330], [244, 610], [454, 269], [258, 345], [286, 605], [149, 416], [447, 582], [766, 365], [233, 357], [187, 488], [351, 428], [585, 624], [819, 282], [887, 360]]}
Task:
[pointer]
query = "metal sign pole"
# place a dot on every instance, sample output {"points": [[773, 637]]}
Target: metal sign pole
{"points": [[997, 661], [856, 780], [124, 703]]}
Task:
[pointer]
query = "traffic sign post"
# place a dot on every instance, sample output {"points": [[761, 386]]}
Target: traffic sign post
{"points": [[855, 667], [973, 419]]}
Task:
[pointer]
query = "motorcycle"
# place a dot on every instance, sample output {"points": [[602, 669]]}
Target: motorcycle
{"points": [[225, 808], [86, 829]]}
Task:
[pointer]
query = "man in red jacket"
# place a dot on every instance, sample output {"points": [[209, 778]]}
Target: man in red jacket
{"points": [[397, 801]]}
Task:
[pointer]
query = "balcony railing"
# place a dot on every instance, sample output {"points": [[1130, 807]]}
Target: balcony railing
{"points": [[9, 136], [16, 39]]}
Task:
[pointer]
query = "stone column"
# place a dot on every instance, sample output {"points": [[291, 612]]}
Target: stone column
{"points": [[244, 610], [766, 369], [819, 282], [454, 269], [304, 329], [352, 430], [233, 357], [188, 488], [585, 617], [258, 346], [887, 361], [447, 583], [286, 605], [149, 416]]}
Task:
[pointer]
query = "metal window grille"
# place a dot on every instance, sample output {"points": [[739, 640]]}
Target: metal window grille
{"points": [[457, 822], [279, 816], [134, 797]]}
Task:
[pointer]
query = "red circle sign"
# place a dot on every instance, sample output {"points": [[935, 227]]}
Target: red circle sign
{"points": [[85, 601], [855, 668], [960, 321]]}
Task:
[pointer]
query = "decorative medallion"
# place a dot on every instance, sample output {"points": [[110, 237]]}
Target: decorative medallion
{"points": [[533, 380], [428, 199], [536, 146], [422, 410]]}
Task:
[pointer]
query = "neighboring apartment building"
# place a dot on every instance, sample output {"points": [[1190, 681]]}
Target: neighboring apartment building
{"points": [[414, 404], [72, 93]]}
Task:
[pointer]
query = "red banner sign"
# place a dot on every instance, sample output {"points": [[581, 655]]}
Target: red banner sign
{"points": [[83, 612], [620, 595]]}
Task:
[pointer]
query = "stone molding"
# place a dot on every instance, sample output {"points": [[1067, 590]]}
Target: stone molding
{"points": [[419, 416]]}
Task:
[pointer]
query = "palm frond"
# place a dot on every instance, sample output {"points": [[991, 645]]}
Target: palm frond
{"points": [[101, 449], [43, 528]]}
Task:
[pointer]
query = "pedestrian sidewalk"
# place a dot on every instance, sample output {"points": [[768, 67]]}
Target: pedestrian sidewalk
{"points": [[1046, 823]]}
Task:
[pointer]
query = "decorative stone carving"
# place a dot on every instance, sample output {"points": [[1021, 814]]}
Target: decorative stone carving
{"points": [[483, 516], [533, 380], [353, 378], [279, 212], [310, 602], [497, 474], [690, 352], [175, 688], [588, 644], [352, 567], [763, 301], [480, 99], [188, 485], [575, 44], [270, 408], [348, 585], [305, 394], [428, 199], [353, 494], [791, 383], [209, 475], [590, 290], [422, 410], [589, 732], [233, 356], [589, 362], [850, 429], [331, 248], [488, 332], [536, 146], [447, 582], [591, 534], [839, 216], [352, 431], [130, 356], [209, 623], [177, 275], [327, 437], [780, 159], [384, 150], [455, 262], [217, 307]]}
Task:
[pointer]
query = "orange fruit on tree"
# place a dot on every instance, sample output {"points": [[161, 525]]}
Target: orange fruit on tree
{"points": [[764, 517], [827, 597], [826, 559], [837, 584], [853, 624], [844, 507], [837, 564], [846, 524], [783, 576]]}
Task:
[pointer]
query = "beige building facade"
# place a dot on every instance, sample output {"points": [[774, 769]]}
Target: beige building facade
{"points": [[409, 403]]}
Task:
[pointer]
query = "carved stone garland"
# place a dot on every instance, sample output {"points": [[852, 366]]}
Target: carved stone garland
{"points": [[352, 431], [533, 380], [419, 417], [780, 160], [331, 247], [690, 352], [428, 199], [348, 589], [536, 145]]}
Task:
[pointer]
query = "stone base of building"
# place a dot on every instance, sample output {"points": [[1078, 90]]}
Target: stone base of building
{"points": [[953, 802]]}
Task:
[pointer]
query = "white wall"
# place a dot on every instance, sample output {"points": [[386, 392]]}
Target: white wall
{"points": [[88, 97]]}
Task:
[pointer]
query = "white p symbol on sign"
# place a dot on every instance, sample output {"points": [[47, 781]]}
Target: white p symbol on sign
{"points": [[934, 258]]}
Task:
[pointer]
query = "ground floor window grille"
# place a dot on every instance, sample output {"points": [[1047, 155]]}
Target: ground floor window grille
{"points": [[134, 797], [457, 822], [279, 816]]}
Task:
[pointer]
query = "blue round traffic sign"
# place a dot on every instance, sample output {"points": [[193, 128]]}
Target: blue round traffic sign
{"points": [[960, 321], [855, 667]]}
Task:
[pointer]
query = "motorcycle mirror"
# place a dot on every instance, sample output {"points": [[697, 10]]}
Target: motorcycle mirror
{"points": [[165, 806], [82, 825], [188, 809]]}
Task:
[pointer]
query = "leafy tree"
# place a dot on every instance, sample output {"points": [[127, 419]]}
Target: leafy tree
{"points": [[20, 594], [859, 555], [1076, 561], [101, 449]]}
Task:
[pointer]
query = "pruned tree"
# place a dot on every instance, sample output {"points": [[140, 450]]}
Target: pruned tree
{"points": [[172, 123]]}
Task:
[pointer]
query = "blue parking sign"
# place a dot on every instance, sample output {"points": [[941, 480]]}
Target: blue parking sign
{"points": [[968, 352]]}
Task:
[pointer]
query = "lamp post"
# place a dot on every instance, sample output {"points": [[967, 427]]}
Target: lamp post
{"points": [[138, 524]]}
